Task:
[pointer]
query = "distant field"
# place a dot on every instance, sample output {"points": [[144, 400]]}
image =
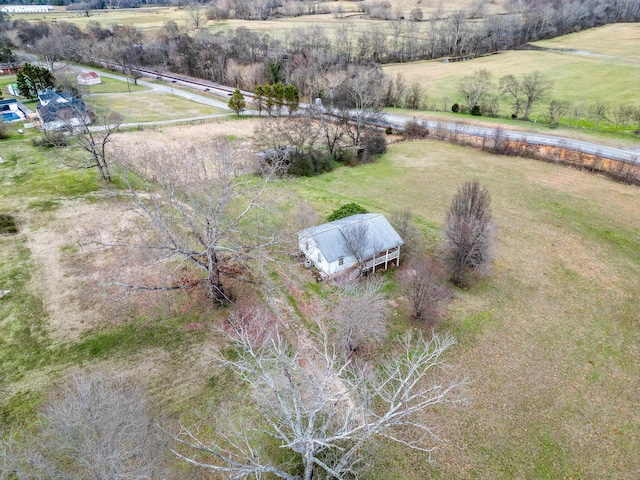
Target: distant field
{"points": [[620, 39], [153, 18], [575, 77], [147, 19]]}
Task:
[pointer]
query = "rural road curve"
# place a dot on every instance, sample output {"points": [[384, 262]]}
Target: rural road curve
{"points": [[396, 121], [625, 155]]}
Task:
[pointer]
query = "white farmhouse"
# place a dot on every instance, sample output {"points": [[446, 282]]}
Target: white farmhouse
{"points": [[351, 245]]}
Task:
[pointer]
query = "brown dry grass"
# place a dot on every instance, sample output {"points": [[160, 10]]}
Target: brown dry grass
{"points": [[187, 135]]}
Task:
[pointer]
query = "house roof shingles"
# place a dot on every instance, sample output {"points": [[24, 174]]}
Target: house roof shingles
{"points": [[332, 238], [61, 111]]}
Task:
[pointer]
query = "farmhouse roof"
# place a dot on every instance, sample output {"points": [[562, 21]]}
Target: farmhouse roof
{"points": [[54, 111], [49, 96], [332, 239]]}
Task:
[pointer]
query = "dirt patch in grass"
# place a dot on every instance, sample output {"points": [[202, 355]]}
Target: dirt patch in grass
{"points": [[68, 276], [240, 129]]}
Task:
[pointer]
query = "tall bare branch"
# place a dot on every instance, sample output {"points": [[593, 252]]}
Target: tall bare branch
{"points": [[323, 409]]}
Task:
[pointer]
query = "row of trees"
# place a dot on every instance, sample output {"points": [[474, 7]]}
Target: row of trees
{"points": [[481, 96], [276, 96], [308, 57]]}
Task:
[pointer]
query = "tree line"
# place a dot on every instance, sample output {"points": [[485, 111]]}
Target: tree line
{"points": [[308, 57]]}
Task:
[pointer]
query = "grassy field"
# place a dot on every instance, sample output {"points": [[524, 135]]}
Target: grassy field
{"points": [[549, 343], [57, 316], [154, 106], [620, 39], [575, 77], [111, 85]]}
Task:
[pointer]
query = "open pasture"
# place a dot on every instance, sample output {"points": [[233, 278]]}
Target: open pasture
{"points": [[620, 39], [152, 19], [148, 19], [549, 344], [611, 76], [575, 78]]}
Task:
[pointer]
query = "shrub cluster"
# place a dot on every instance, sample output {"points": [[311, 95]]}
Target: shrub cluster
{"points": [[346, 210], [415, 129]]}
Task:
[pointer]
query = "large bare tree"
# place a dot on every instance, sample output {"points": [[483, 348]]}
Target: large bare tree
{"points": [[95, 427], [422, 282], [535, 86], [469, 236], [323, 410], [358, 100], [205, 207]]}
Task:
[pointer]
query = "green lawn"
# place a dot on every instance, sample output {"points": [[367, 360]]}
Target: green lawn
{"points": [[154, 106], [575, 78], [111, 85]]}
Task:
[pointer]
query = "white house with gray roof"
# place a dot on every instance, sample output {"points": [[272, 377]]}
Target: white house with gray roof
{"points": [[358, 243]]}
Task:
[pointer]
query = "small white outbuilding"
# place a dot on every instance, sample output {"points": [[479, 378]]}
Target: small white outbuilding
{"points": [[88, 78], [351, 245]]}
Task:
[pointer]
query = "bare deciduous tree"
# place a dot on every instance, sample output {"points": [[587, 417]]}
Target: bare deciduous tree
{"points": [[358, 100], [557, 110], [414, 242], [96, 428], [535, 86], [360, 311], [621, 115], [195, 13], [322, 409], [360, 242], [469, 238], [205, 207], [474, 87], [422, 282], [510, 85], [93, 137]]}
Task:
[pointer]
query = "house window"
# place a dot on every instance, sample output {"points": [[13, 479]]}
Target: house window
{"points": [[341, 261], [319, 258], [306, 246]]}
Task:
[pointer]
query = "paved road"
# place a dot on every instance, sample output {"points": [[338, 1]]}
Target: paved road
{"points": [[171, 88], [397, 121], [625, 155]]}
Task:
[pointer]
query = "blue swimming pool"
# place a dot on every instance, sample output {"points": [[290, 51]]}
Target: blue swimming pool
{"points": [[10, 117]]}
